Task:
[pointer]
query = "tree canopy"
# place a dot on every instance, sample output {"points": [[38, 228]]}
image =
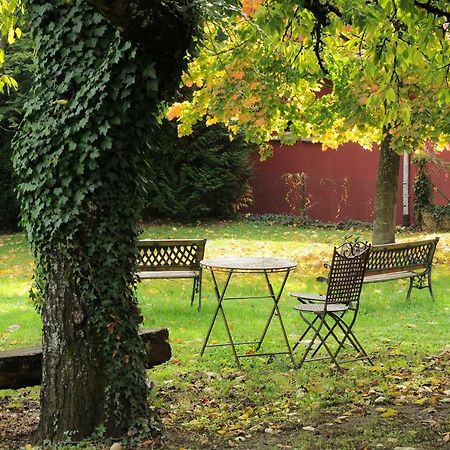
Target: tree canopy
{"points": [[334, 71]]}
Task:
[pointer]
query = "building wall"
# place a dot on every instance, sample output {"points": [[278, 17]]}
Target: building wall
{"points": [[336, 185]]}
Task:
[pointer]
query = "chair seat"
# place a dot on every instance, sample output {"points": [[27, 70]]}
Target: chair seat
{"points": [[308, 297], [320, 307]]}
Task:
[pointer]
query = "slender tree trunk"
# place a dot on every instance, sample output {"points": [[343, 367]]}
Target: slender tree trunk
{"points": [[386, 193], [71, 361]]}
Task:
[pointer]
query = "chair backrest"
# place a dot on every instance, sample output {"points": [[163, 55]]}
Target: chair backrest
{"points": [[347, 272]]}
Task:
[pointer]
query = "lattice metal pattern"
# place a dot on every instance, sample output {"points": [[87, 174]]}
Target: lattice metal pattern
{"points": [[346, 277], [398, 258], [176, 255]]}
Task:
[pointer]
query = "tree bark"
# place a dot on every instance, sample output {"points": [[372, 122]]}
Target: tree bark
{"points": [[71, 358], [386, 193]]}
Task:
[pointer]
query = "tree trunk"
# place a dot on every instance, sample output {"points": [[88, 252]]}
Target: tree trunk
{"points": [[70, 359], [386, 193], [79, 159]]}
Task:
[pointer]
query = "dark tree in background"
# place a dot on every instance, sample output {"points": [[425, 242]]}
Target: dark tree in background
{"points": [[197, 176]]}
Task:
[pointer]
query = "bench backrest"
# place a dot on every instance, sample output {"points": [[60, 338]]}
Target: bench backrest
{"points": [[405, 255], [170, 254]]}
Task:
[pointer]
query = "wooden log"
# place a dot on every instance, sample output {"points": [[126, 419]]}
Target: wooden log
{"points": [[23, 367]]}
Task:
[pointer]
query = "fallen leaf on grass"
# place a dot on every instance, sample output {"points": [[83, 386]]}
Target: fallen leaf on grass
{"points": [[389, 413], [308, 428]]}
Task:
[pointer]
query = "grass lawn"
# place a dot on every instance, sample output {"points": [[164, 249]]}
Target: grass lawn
{"points": [[403, 401]]}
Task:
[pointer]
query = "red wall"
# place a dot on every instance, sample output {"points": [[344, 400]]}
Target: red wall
{"points": [[339, 184]]}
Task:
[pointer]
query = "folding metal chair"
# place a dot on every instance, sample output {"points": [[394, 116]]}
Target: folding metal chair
{"points": [[334, 314]]}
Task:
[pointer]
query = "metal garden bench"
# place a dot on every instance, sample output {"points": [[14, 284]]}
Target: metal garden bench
{"points": [[172, 259], [412, 260]]}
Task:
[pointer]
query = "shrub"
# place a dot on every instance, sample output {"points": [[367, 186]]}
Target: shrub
{"points": [[197, 176]]}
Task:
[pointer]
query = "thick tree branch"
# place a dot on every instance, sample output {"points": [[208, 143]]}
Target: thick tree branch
{"points": [[321, 12], [163, 28], [432, 8]]}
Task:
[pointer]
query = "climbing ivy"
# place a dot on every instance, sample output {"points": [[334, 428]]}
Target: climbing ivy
{"points": [[78, 162], [423, 198]]}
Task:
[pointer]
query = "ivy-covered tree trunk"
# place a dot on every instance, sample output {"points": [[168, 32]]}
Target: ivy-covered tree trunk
{"points": [[386, 193], [72, 360], [79, 162]]}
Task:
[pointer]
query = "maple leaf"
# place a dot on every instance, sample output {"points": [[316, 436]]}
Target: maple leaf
{"points": [[250, 7], [174, 111]]}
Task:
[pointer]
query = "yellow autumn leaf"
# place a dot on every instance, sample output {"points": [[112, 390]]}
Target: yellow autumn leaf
{"points": [[421, 401], [211, 121], [238, 75], [174, 111], [250, 101], [389, 413], [250, 7]]}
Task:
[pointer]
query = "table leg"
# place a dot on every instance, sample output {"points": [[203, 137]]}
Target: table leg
{"points": [[220, 296], [275, 308]]}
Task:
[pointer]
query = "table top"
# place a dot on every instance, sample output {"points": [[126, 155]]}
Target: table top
{"points": [[248, 263]]}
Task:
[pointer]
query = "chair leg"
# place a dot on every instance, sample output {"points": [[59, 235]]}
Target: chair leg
{"points": [[338, 322], [329, 333], [316, 334], [304, 333], [348, 334]]}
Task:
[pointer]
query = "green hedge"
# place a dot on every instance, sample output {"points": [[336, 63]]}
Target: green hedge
{"points": [[198, 176]]}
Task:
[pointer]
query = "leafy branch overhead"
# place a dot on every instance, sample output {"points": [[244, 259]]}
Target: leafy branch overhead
{"points": [[334, 71], [10, 14]]}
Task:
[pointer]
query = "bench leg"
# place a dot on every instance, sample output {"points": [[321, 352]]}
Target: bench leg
{"points": [[194, 290], [197, 289], [411, 285], [429, 286], [420, 282]]}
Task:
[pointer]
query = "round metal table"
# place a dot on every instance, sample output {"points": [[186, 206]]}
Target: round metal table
{"points": [[255, 265]]}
